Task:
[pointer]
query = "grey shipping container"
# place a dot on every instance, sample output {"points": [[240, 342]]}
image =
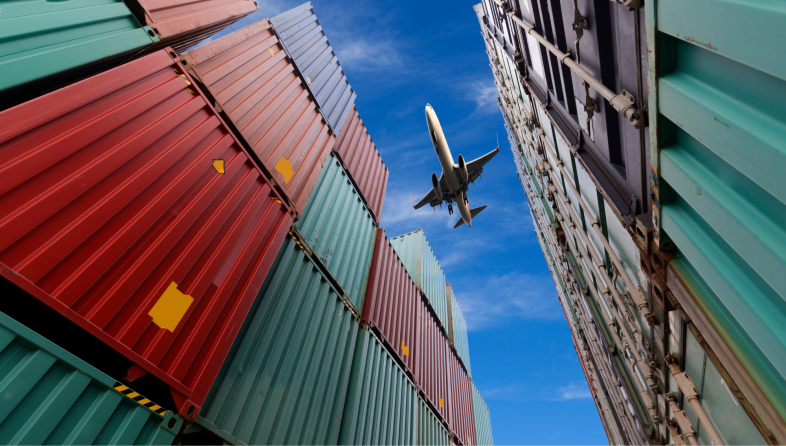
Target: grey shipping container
{"points": [[482, 418], [306, 43], [457, 330], [430, 429]]}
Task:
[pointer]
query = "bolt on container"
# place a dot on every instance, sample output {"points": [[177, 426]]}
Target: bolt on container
{"points": [[128, 207], [381, 401], [286, 378], [482, 418], [430, 429], [457, 330], [432, 371], [462, 419], [254, 84], [52, 397]]}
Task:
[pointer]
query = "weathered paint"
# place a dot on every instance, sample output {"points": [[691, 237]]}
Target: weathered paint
{"points": [[462, 419], [431, 432], [425, 270], [52, 397], [109, 196], [337, 226], [307, 44], [285, 380], [381, 401], [482, 418], [362, 160], [457, 330], [432, 371], [249, 76]]}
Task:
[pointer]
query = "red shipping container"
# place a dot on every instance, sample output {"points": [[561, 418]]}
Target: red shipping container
{"points": [[392, 302], [128, 206], [363, 162], [462, 417], [431, 367]]}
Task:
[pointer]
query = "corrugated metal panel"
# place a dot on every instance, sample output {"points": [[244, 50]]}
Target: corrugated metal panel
{"points": [[482, 418], [462, 421], [285, 380], [431, 432], [422, 264], [431, 365], [392, 302], [457, 332], [381, 401], [182, 24], [113, 213], [339, 229], [254, 83], [52, 397], [363, 162], [307, 44], [40, 38]]}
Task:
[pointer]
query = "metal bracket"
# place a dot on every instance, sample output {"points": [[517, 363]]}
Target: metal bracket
{"points": [[590, 106], [579, 25]]}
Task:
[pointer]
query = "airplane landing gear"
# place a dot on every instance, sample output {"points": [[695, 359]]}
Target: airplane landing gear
{"points": [[450, 209]]}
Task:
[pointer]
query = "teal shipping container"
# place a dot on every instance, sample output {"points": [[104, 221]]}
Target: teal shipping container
{"points": [[50, 396], [381, 401], [340, 230], [285, 379], [424, 268], [41, 38], [430, 430], [457, 330], [482, 418]]}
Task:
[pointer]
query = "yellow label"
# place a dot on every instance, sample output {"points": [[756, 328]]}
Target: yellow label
{"points": [[272, 53], [441, 403], [170, 308], [284, 167], [218, 165], [308, 79], [469, 442], [404, 348]]}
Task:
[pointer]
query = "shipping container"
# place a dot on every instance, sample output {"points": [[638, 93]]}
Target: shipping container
{"points": [[338, 227], [424, 268], [432, 371], [286, 379], [482, 418], [457, 330], [431, 432], [129, 208], [181, 24], [254, 84], [52, 397], [381, 401], [392, 303], [362, 160], [462, 418], [306, 43]]}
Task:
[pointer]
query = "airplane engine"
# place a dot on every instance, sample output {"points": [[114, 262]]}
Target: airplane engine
{"points": [[437, 189], [463, 169]]}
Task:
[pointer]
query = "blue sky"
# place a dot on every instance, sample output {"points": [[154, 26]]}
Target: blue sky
{"points": [[398, 56]]}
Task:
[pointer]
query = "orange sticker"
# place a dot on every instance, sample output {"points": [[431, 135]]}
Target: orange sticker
{"points": [[284, 167], [404, 348], [272, 53], [441, 403], [170, 308]]}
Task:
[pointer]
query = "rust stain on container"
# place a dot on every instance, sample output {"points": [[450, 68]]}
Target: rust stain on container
{"points": [[462, 417], [268, 104], [109, 196]]}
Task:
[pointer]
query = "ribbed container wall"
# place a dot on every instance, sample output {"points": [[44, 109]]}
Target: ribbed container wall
{"points": [[431, 367], [338, 227], [462, 419], [381, 401], [285, 380], [52, 397], [392, 302], [306, 42], [114, 215], [431, 432], [422, 264], [482, 418], [363, 162], [251, 79], [457, 332]]}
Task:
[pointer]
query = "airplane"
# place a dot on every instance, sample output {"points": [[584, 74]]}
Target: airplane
{"points": [[452, 185]]}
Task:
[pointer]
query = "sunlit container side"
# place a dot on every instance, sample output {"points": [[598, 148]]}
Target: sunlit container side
{"points": [[431, 432], [425, 270], [306, 42], [41, 39], [381, 401], [252, 81], [462, 421], [285, 380], [52, 397], [338, 227], [482, 418], [362, 160], [431, 366], [392, 302], [457, 330], [128, 206]]}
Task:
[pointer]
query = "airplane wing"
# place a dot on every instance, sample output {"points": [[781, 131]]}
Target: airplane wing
{"points": [[431, 196], [475, 167]]}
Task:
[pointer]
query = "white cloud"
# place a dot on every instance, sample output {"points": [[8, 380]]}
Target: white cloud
{"points": [[361, 53], [484, 95], [574, 391]]}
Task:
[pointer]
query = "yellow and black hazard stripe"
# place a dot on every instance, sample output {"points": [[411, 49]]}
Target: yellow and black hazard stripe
{"points": [[275, 198], [139, 398], [294, 237]]}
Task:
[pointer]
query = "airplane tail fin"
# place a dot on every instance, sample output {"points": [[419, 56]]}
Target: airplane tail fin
{"points": [[472, 213]]}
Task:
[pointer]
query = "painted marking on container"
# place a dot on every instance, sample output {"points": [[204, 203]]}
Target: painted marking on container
{"points": [[185, 79], [275, 198], [441, 403], [404, 348], [272, 53], [170, 308], [219, 166], [308, 79], [284, 167], [139, 398]]}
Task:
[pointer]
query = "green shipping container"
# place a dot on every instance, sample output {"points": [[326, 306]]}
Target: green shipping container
{"points": [[340, 230], [431, 432], [50, 396], [457, 330], [482, 418], [285, 379], [424, 268], [381, 401], [41, 38]]}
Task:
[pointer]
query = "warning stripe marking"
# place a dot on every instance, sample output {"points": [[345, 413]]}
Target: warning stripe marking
{"points": [[139, 398]]}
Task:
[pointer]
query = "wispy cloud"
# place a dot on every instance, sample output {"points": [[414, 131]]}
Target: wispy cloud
{"points": [[574, 391], [485, 96]]}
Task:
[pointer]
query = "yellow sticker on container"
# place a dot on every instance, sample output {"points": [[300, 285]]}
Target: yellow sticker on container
{"points": [[308, 79], [219, 165], [441, 403], [170, 308], [469, 442], [272, 53], [284, 167], [404, 348]]}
